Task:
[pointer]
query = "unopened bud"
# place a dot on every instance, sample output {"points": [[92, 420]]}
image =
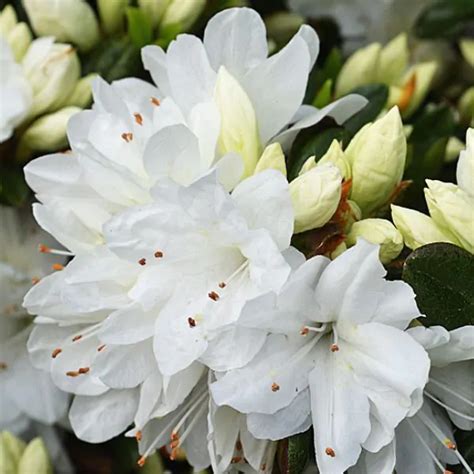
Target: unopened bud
{"points": [[394, 59], [335, 155], [35, 459], [82, 94], [112, 14], [182, 13], [154, 9], [466, 107], [8, 20], [465, 168], [453, 149], [11, 448], [282, 26], [19, 39], [467, 49], [272, 158]]}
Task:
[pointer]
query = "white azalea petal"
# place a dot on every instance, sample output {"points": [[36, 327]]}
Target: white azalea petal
{"points": [[154, 60], [382, 462]]}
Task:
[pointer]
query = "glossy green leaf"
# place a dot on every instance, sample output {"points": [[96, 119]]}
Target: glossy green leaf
{"points": [[442, 276], [294, 453], [140, 29], [324, 95], [13, 188]]}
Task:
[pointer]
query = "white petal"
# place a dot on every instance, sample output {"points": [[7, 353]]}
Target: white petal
{"points": [[150, 393], [382, 462], [312, 42], [154, 60], [98, 419]]}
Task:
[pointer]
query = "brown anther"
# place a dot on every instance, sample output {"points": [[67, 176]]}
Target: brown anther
{"points": [[158, 254], [56, 352], [138, 118], [155, 101], [275, 387], [174, 444], [72, 373], [222, 284], [3, 366], [330, 452], [450, 445], [213, 295], [236, 459], [35, 280], [43, 248], [101, 348], [142, 261], [174, 436], [57, 266], [238, 446], [263, 467], [138, 435], [84, 370], [76, 338], [334, 347], [141, 462], [128, 137], [191, 322], [304, 331]]}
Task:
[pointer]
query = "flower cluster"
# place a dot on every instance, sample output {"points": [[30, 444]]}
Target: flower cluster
{"points": [[185, 316]]}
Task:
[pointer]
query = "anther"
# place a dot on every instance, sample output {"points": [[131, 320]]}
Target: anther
{"points": [[43, 248], [57, 266], [263, 467], [174, 436], [213, 295], [84, 370], [275, 387], [155, 101], [35, 280], [56, 352], [158, 254], [138, 435], [142, 261], [191, 322], [138, 118], [174, 444], [101, 348], [77, 338], [238, 446], [128, 137], [236, 459], [450, 445], [304, 331], [222, 284], [334, 347], [72, 373], [330, 452], [141, 461], [3, 366]]}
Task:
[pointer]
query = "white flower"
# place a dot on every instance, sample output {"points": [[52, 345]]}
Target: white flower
{"points": [[15, 93], [336, 351], [27, 394], [254, 98]]}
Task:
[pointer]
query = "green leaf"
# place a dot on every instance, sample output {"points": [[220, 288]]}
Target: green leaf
{"points": [[442, 276], [377, 95], [140, 28], [445, 19], [323, 97], [168, 34], [13, 188], [310, 143], [294, 453]]}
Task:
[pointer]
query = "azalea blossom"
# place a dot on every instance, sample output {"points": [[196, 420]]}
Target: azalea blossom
{"points": [[28, 394], [335, 351]]}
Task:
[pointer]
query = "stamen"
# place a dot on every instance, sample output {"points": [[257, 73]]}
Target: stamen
{"points": [[128, 137], [77, 338], [141, 462], [101, 348], [56, 352], [451, 391], [234, 274], [138, 435], [84, 370], [222, 284], [57, 267], [213, 295], [138, 118], [275, 387], [142, 261], [263, 467], [334, 348], [35, 280], [72, 373], [330, 452], [3, 366], [155, 101], [305, 330], [45, 249], [236, 459], [191, 322], [238, 445], [447, 407], [158, 254]]}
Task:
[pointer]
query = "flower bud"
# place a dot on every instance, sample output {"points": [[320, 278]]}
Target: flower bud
{"points": [[11, 450], [315, 196], [377, 157], [360, 69], [394, 59], [417, 228], [239, 131], [451, 208], [154, 9], [112, 14], [467, 49], [453, 149], [335, 155], [380, 232], [282, 26], [35, 459], [47, 133], [341, 248], [72, 21], [19, 40], [53, 71], [465, 168], [82, 94], [466, 107], [272, 158], [182, 13], [8, 20]]}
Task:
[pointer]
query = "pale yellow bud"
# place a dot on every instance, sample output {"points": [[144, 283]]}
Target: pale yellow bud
{"points": [[282, 25], [465, 168], [48, 133], [341, 248], [35, 459], [394, 59], [8, 20], [272, 158], [71, 21], [380, 232], [182, 13], [19, 40], [335, 155], [377, 157], [360, 69], [112, 14], [154, 9], [11, 450], [466, 106], [452, 209], [309, 164], [453, 149], [467, 49], [417, 228], [82, 94], [315, 196], [239, 132]]}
